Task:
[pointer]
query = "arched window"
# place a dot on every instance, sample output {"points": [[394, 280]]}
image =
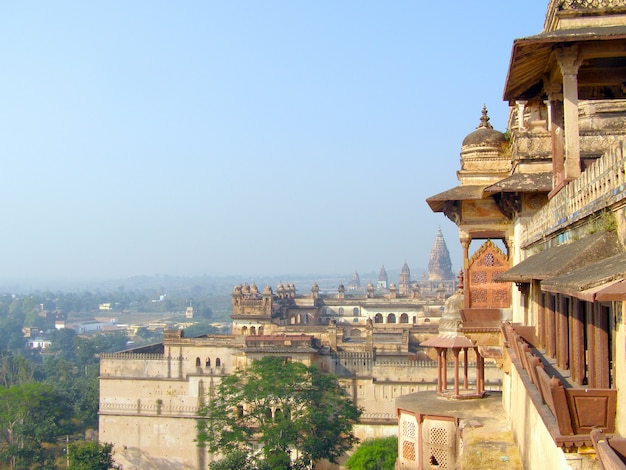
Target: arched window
{"points": [[260, 331], [378, 318], [340, 310], [355, 333], [252, 330], [198, 363], [218, 363], [207, 363], [244, 331], [404, 318], [391, 318], [355, 311]]}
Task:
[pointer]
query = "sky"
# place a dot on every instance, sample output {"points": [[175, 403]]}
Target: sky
{"points": [[240, 137]]}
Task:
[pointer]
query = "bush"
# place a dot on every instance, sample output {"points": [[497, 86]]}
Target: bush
{"points": [[375, 454]]}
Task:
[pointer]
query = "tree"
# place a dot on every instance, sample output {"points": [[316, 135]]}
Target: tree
{"points": [[284, 406], [375, 454], [91, 455], [30, 415]]}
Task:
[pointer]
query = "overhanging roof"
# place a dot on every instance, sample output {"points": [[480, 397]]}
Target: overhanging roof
{"points": [[460, 193], [563, 258], [602, 280], [523, 183], [530, 56], [452, 341]]}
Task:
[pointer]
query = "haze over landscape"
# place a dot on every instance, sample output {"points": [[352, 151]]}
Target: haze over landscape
{"points": [[239, 138]]}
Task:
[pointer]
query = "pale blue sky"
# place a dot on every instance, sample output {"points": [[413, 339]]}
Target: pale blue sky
{"points": [[240, 137]]}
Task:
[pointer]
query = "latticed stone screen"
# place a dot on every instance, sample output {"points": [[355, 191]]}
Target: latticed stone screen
{"points": [[439, 444], [408, 445], [485, 265]]}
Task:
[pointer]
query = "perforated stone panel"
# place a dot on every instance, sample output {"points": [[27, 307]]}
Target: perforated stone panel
{"points": [[439, 444], [408, 447]]}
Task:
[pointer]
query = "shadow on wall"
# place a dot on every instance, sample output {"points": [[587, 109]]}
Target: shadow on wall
{"points": [[132, 458]]}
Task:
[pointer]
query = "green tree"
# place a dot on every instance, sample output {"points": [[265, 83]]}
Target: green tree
{"points": [[30, 415], [91, 455], [375, 454], [235, 460], [284, 406]]}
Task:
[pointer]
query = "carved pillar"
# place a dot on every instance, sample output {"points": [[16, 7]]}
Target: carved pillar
{"points": [[521, 106], [550, 326], [577, 344], [444, 369], [465, 363], [480, 373], [439, 372], [555, 113], [569, 62], [562, 338], [598, 343], [455, 352], [541, 313], [465, 243]]}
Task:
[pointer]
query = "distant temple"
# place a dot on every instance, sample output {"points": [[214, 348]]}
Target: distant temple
{"points": [[441, 280], [383, 279]]}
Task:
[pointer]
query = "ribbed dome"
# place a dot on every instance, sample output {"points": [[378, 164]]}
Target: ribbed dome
{"points": [[485, 135]]}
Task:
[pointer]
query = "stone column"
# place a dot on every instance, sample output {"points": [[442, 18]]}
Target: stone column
{"points": [[555, 113], [465, 243], [569, 62], [456, 352], [465, 361], [577, 344], [521, 107], [444, 369], [439, 372], [562, 339]]}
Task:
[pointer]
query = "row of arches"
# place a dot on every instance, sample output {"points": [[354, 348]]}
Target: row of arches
{"points": [[252, 331], [391, 318], [207, 362]]}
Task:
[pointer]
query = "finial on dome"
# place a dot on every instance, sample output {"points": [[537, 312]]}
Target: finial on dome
{"points": [[484, 119]]}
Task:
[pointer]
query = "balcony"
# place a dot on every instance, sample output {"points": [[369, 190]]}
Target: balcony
{"points": [[600, 186], [573, 411]]}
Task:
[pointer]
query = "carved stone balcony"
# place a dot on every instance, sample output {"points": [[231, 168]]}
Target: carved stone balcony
{"points": [[600, 186]]}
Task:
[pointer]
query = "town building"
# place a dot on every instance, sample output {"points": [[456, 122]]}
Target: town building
{"points": [[370, 339], [552, 193]]}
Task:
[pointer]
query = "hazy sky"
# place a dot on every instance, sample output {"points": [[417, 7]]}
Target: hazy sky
{"points": [[240, 137]]}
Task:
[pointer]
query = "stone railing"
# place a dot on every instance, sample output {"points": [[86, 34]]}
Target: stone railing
{"points": [[575, 411], [136, 356], [598, 187], [150, 409], [378, 417]]}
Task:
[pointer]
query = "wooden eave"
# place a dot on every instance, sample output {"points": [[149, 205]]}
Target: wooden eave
{"points": [[531, 56], [459, 193]]}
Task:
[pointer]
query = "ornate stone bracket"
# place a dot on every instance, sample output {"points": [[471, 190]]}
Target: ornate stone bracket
{"points": [[509, 204]]}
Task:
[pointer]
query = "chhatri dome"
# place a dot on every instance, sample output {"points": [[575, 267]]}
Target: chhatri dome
{"points": [[484, 135], [485, 158]]}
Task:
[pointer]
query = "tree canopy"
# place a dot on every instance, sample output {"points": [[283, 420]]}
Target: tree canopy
{"points": [[375, 454], [91, 456], [284, 407]]}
